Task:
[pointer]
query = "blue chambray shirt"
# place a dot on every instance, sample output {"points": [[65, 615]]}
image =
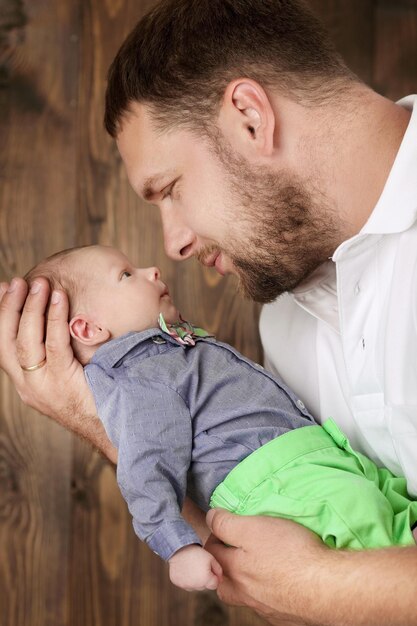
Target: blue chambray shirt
{"points": [[182, 418]]}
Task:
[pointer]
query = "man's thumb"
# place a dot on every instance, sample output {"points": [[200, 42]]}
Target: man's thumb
{"points": [[225, 526]]}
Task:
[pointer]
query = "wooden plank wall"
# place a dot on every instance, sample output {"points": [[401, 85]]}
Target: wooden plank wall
{"points": [[68, 554]]}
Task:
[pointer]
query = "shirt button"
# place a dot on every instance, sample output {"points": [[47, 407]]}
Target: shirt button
{"points": [[158, 339], [301, 405], [357, 289]]}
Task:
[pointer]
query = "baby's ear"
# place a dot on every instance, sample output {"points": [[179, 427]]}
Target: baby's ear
{"points": [[87, 332]]}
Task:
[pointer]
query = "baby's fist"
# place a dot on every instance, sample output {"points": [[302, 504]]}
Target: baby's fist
{"points": [[192, 568]]}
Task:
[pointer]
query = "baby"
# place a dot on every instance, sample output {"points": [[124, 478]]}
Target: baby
{"points": [[189, 414]]}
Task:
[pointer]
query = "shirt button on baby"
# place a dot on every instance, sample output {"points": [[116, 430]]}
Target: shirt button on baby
{"points": [[301, 405]]}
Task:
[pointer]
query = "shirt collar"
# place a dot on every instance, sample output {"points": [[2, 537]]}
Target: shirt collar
{"points": [[182, 333], [110, 353]]}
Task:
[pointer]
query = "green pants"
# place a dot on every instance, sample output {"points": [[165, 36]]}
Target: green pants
{"points": [[312, 476]]}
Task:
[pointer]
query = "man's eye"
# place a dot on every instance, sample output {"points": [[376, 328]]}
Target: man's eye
{"points": [[166, 193], [125, 274]]}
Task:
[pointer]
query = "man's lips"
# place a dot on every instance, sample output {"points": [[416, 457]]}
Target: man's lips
{"points": [[214, 260], [218, 264], [210, 260]]}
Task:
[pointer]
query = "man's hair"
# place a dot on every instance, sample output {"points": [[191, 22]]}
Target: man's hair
{"points": [[61, 275], [181, 56]]}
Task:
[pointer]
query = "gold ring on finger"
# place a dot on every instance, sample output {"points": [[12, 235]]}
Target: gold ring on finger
{"points": [[32, 368]]}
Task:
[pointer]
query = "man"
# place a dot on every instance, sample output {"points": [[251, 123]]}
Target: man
{"points": [[266, 158]]}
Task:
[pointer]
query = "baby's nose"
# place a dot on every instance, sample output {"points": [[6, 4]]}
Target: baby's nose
{"points": [[154, 273]]}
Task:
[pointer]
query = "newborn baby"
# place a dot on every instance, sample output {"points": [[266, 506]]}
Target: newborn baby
{"points": [[190, 415]]}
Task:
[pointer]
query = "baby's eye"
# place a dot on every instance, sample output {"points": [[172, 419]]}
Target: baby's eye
{"points": [[125, 274]]}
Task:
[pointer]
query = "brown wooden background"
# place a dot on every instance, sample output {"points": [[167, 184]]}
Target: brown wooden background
{"points": [[68, 555]]}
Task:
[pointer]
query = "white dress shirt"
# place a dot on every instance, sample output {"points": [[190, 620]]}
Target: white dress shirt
{"points": [[346, 339]]}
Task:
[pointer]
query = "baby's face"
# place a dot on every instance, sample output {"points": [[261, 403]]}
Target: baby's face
{"points": [[121, 297]]}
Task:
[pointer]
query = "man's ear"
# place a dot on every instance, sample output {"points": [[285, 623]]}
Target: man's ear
{"points": [[87, 332], [247, 119]]}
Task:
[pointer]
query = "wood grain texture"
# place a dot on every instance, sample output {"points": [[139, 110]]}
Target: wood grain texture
{"points": [[395, 57], [351, 24], [37, 188], [69, 554]]}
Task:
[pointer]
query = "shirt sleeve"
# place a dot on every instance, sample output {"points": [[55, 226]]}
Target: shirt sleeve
{"points": [[155, 442]]}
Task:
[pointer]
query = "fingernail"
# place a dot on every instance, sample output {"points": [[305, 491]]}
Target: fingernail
{"points": [[12, 285], [56, 297], [35, 288]]}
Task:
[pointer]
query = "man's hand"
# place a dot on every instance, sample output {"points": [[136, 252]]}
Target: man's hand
{"points": [[255, 571], [286, 574], [28, 336]]}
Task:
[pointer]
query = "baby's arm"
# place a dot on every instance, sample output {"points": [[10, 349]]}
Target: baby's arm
{"points": [[192, 568], [155, 444], [153, 433]]}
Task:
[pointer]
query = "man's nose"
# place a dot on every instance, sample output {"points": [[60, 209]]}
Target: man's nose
{"points": [[179, 240]]}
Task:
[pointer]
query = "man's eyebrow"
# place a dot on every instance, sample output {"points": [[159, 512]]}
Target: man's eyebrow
{"points": [[151, 184]]}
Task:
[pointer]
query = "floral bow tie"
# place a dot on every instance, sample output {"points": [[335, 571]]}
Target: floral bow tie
{"points": [[182, 331]]}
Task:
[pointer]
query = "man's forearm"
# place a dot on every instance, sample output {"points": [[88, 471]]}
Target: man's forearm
{"points": [[79, 416], [196, 518], [364, 588], [87, 425], [95, 434]]}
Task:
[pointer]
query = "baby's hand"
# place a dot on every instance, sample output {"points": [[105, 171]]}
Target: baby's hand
{"points": [[192, 568]]}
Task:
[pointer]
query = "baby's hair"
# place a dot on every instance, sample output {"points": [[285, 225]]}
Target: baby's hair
{"points": [[60, 275]]}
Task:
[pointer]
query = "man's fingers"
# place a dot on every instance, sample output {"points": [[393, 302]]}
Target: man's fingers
{"points": [[59, 353], [11, 303], [216, 568], [3, 288], [224, 555], [226, 526], [227, 593], [30, 336]]}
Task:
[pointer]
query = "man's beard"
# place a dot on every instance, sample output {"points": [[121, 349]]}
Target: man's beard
{"points": [[291, 230]]}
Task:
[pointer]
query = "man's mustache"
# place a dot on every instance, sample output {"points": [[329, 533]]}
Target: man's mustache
{"points": [[204, 254]]}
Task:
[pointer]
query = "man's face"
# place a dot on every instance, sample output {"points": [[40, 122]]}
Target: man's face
{"points": [[269, 228], [121, 297]]}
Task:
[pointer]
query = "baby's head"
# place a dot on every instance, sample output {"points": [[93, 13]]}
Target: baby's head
{"points": [[108, 296]]}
